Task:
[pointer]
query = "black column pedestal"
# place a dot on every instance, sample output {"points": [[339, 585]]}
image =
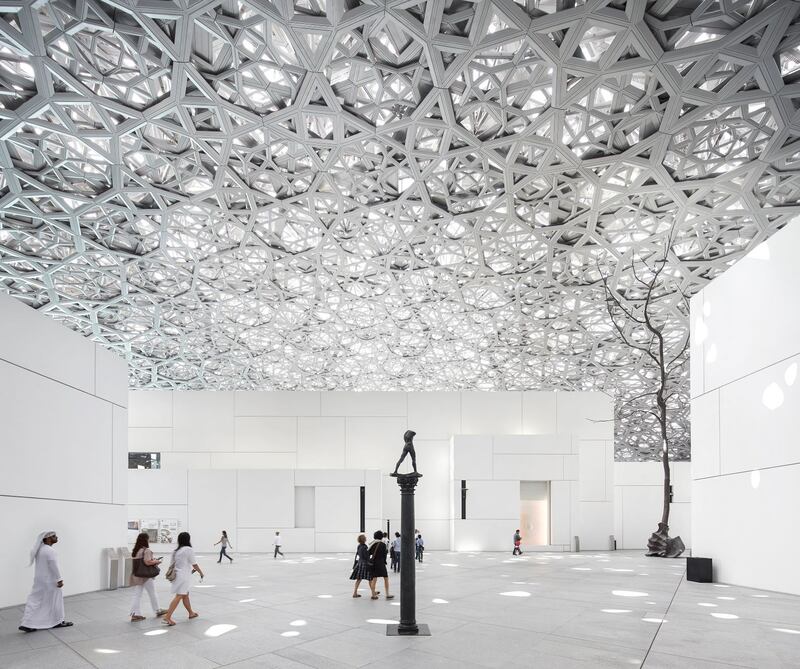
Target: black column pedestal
{"points": [[408, 584]]}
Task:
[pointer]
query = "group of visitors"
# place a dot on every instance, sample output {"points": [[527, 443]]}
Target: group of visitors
{"points": [[370, 564], [395, 547]]}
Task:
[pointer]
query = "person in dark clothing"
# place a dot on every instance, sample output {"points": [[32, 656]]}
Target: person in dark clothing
{"points": [[361, 570], [377, 552]]}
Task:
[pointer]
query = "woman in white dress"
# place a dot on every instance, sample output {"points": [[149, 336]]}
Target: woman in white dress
{"points": [[185, 566]]}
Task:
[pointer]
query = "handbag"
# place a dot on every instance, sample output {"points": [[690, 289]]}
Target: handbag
{"points": [[171, 575], [143, 570]]}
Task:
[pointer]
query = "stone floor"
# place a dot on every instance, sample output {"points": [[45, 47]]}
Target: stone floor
{"points": [[484, 610]]}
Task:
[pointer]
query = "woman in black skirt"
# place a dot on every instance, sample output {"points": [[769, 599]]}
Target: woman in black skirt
{"points": [[360, 564], [377, 553]]}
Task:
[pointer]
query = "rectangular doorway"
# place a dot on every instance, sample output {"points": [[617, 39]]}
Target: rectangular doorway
{"points": [[534, 512]]}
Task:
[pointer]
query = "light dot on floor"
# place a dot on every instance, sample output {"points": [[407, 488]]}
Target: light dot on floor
{"points": [[245, 601], [218, 630], [786, 631], [440, 601], [709, 604], [298, 623], [729, 599], [395, 604], [243, 587], [628, 593], [382, 621], [106, 651], [654, 620], [155, 632], [516, 593], [764, 596], [582, 568], [448, 564], [324, 596], [204, 586], [725, 616], [616, 610], [290, 633]]}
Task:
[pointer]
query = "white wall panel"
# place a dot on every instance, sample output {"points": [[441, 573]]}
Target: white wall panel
{"points": [[277, 403], [585, 414], [539, 412], [596, 525], [337, 509], [375, 443], [253, 460], [149, 439], [203, 421], [571, 467], [373, 493], [434, 415], [111, 376], [560, 513], [329, 477], [336, 542], [472, 457], [211, 505], [432, 498], [265, 498], [493, 499], [747, 318], [321, 443], [266, 434], [698, 334], [364, 404], [753, 432], [185, 461], [593, 472], [391, 498], [41, 345], [529, 467], [44, 457], [150, 408], [491, 413], [724, 507], [641, 511], [532, 443], [119, 455], [158, 486], [638, 473], [483, 535], [83, 530], [304, 507]]}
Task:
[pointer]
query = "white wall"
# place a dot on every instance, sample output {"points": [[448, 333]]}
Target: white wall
{"points": [[63, 412], [364, 431], [746, 417], [576, 457], [251, 504], [638, 500]]}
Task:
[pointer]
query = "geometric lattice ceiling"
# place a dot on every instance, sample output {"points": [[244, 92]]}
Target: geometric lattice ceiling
{"points": [[387, 195]]}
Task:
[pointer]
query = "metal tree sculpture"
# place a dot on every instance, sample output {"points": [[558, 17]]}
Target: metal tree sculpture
{"points": [[648, 308]]}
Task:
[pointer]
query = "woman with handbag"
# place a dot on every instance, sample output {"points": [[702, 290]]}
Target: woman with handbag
{"points": [[180, 574], [360, 564], [145, 569]]}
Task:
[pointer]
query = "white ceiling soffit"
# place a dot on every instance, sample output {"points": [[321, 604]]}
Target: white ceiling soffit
{"points": [[388, 195]]}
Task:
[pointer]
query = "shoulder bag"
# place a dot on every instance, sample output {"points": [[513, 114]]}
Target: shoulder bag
{"points": [[143, 570]]}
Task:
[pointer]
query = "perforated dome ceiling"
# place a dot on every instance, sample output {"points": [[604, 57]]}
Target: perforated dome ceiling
{"points": [[389, 195]]}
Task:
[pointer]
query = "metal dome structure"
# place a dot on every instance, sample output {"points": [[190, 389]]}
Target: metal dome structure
{"points": [[389, 195]]}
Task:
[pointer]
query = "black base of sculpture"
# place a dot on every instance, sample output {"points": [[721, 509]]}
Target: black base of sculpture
{"points": [[699, 570], [394, 630], [408, 586]]}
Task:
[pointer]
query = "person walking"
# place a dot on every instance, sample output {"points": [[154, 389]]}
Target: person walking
{"points": [[396, 552], [361, 570], [278, 543], [377, 553], [224, 543], [44, 608], [184, 565], [517, 542], [143, 556], [420, 546]]}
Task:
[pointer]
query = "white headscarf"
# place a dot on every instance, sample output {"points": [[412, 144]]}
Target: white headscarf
{"points": [[42, 536]]}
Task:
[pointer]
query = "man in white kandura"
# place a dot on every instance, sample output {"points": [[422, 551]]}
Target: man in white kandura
{"points": [[45, 606]]}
